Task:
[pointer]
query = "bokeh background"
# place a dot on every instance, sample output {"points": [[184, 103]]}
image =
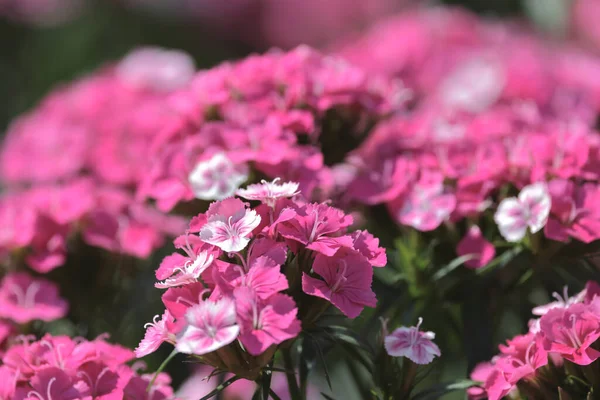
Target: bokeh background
{"points": [[46, 42]]}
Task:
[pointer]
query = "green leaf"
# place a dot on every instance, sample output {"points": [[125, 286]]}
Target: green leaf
{"points": [[457, 262], [435, 392], [221, 387]]}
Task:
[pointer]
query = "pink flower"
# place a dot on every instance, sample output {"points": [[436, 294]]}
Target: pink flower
{"points": [[346, 283], [217, 178], [477, 246], [530, 209], [156, 68], [573, 212], [23, 299], [157, 333], [368, 245], [413, 344], [480, 373], [318, 227], [571, 331], [264, 277], [187, 272], [265, 322], [102, 383], [211, 325], [229, 225], [428, 205], [269, 192], [563, 301], [52, 384], [522, 356]]}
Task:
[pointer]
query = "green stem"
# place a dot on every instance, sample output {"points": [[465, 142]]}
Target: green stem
{"points": [[290, 374], [410, 373], [160, 369]]}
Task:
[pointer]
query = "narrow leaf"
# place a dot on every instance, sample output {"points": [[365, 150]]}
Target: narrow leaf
{"points": [[221, 387], [160, 369]]}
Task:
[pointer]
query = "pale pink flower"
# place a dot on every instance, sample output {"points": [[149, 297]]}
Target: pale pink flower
{"points": [[347, 278], [428, 205], [229, 225], [188, 272], [563, 301], [211, 325], [217, 178], [269, 192], [265, 322], [157, 333], [529, 210], [156, 68], [413, 344], [23, 299], [474, 86], [476, 246]]}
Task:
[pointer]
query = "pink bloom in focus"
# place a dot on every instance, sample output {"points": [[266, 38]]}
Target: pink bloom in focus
{"points": [[413, 344], [157, 332], [563, 301], [346, 283], [477, 246], [571, 331], [265, 322], [522, 356], [318, 227], [156, 68], [368, 245], [269, 192], [23, 299], [211, 325], [428, 205], [217, 178], [530, 209], [188, 272], [264, 277], [229, 225]]}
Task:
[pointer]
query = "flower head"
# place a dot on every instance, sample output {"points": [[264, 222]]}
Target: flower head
{"points": [[529, 210], [229, 225], [269, 192], [413, 344], [211, 325], [346, 281], [217, 178], [23, 299]]}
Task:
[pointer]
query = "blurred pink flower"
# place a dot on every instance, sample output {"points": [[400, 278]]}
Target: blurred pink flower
{"points": [[475, 245], [217, 178], [529, 210], [24, 299]]}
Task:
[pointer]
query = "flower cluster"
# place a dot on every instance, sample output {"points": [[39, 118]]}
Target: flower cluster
{"points": [[89, 141], [536, 363], [60, 368], [283, 114], [513, 115], [250, 275]]}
